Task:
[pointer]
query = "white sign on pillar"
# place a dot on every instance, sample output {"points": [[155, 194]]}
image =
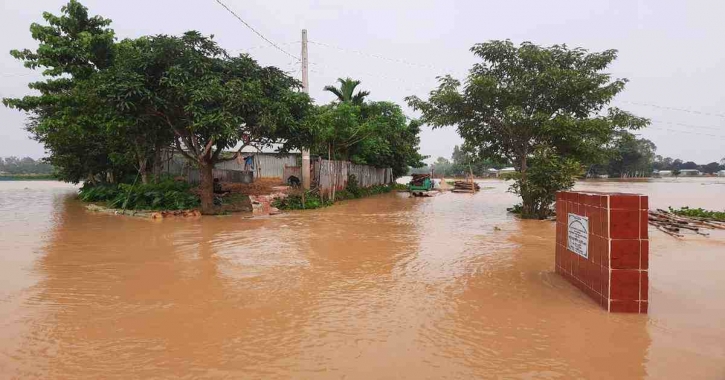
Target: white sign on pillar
{"points": [[578, 235]]}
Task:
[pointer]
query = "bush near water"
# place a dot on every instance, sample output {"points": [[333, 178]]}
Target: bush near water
{"points": [[164, 195], [313, 200]]}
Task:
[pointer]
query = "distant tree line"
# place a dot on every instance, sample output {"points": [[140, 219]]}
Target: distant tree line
{"points": [[629, 156], [461, 164], [26, 165]]}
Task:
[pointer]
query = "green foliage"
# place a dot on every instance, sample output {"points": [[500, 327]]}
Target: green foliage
{"points": [[628, 156], [373, 133], [294, 202], [400, 187], [699, 213], [164, 195], [66, 116], [547, 174], [520, 100], [313, 200], [516, 209], [346, 92], [352, 185]]}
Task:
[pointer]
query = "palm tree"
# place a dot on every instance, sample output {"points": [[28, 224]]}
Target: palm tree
{"points": [[346, 90]]}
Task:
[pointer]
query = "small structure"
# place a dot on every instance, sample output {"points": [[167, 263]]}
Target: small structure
{"points": [[420, 185], [690, 173], [662, 173], [602, 247], [491, 173], [505, 171], [721, 173]]}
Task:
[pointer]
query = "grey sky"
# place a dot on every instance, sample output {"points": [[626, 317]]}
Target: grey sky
{"points": [[671, 51]]}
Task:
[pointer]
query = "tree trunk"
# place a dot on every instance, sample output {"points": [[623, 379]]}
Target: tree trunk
{"points": [[527, 203], [143, 169], [206, 187]]}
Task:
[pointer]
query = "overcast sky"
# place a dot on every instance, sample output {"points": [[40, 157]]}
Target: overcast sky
{"points": [[671, 51]]}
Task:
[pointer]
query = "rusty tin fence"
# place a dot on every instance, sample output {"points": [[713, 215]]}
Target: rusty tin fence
{"points": [[328, 175]]}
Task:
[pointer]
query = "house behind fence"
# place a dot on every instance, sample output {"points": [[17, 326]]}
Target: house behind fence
{"points": [[326, 174], [260, 165]]}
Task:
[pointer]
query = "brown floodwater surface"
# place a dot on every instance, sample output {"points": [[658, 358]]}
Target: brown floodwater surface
{"points": [[385, 287]]}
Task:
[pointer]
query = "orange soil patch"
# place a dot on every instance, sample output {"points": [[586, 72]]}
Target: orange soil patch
{"points": [[261, 186]]}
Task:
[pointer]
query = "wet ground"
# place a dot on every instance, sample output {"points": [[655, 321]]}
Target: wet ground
{"points": [[384, 287]]}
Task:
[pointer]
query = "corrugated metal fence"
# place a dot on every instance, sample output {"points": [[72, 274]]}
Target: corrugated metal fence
{"points": [[265, 165], [234, 176], [334, 174]]}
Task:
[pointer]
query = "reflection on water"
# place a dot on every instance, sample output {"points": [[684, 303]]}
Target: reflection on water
{"points": [[385, 287]]}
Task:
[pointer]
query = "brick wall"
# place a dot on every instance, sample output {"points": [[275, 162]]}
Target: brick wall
{"points": [[614, 272]]}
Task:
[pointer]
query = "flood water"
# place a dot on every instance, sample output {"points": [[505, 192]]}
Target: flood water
{"points": [[388, 287]]}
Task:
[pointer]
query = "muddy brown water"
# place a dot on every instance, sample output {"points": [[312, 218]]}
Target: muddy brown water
{"points": [[387, 287]]}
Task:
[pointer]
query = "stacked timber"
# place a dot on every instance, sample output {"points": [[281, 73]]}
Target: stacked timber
{"points": [[674, 225], [465, 187], [419, 179]]}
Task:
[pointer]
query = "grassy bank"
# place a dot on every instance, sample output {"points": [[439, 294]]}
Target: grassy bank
{"points": [[27, 177]]}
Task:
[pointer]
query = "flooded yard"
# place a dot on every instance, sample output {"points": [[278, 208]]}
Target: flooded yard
{"points": [[385, 287]]}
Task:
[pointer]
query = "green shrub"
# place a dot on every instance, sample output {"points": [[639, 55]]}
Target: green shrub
{"points": [[352, 186], [164, 195], [313, 200], [294, 202]]}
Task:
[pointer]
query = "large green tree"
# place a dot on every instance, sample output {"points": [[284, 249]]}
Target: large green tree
{"points": [[209, 101], [532, 105], [64, 114], [374, 133], [393, 140]]}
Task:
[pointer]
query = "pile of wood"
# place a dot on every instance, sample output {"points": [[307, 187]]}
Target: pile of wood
{"points": [[674, 225], [465, 187], [419, 179]]}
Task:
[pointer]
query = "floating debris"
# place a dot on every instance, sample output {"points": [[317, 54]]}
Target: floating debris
{"points": [[673, 224]]}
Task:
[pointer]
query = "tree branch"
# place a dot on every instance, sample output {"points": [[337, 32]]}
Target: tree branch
{"points": [[183, 153]]}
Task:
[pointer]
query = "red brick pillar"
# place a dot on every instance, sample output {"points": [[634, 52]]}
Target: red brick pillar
{"points": [[602, 247]]}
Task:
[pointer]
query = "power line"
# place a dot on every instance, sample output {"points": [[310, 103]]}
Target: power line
{"points": [[378, 76], [401, 61], [255, 31], [263, 47], [674, 108], [689, 125], [377, 56], [687, 132], [396, 60]]}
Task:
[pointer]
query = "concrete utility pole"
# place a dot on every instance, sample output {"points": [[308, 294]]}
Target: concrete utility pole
{"points": [[306, 174]]}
